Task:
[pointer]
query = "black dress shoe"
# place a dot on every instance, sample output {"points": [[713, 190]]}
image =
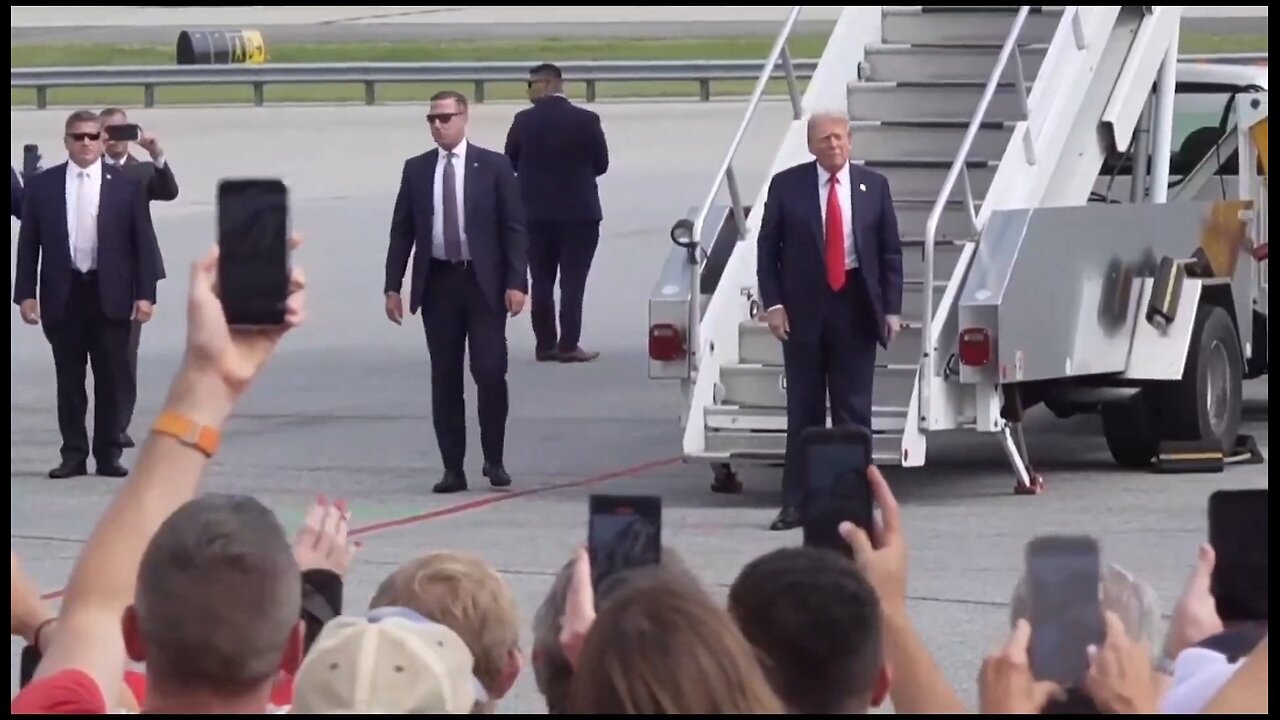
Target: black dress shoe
{"points": [[112, 469], [497, 475], [126, 441], [451, 483], [551, 355], [69, 470], [578, 355], [788, 519]]}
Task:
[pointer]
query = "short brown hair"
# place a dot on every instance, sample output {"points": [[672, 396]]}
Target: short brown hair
{"points": [[453, 95], [81, 116], [112, 112], [462, 592], [219, 594], [658, 647]]}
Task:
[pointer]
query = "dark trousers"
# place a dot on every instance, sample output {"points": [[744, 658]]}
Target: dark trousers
{"points": [[458, 319], [567, 249], [839, 365], [129, 385], [84, 337]]}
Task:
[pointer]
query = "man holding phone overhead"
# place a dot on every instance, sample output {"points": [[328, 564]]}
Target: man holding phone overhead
{"points": [[84, 271], [159, 184], [459, 205]]}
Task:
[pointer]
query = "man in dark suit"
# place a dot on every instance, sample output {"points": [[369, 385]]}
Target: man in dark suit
{"points": [[459, 204], [558, 150], [87, 244], [830, 275], [159, 184]]}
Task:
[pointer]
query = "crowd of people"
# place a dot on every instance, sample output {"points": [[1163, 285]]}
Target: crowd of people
{"points": [[227, 615]]}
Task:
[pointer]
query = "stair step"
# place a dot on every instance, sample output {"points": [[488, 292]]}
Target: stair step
{"points": [[946, 63], [923, 177], [924, 139], [732, 417], [959, 25], [946, 101], [886, 448], [913, 217], [764, 386], [758, 346]]}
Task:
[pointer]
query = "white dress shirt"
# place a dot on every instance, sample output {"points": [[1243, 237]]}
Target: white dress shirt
{"points": [[846, 211], [437, 202], [93, 180]]}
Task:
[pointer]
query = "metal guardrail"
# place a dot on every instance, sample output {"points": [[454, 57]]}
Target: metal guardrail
{"points": [[701, 72]]}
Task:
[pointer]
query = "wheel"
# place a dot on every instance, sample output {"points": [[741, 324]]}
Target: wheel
{"points": [[726, 481], [1132, 430], [1207, 403]]}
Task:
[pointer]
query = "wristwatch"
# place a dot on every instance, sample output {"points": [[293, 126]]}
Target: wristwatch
{"points": [[188, 432]]}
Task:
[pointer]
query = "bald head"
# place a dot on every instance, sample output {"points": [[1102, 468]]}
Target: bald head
{"points": [[829, 139]]}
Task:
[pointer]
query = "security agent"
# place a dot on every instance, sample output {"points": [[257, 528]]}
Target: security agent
{"points": [[159, 184]]}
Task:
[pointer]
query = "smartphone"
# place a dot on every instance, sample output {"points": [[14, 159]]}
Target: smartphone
{"points": [[835, 462], [623, 532], [30, 160], [253, 251], [1238, 534], [127, 132], [1064, 581]]}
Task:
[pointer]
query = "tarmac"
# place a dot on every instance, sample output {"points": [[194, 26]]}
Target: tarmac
{"points": [[344, 409], [389, 23]]}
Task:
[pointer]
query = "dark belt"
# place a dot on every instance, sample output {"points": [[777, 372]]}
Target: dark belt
{"points": [[84, 276], [439, 264]]}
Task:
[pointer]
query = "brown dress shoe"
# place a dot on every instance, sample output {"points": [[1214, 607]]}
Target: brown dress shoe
{"points": [[578, 355]]}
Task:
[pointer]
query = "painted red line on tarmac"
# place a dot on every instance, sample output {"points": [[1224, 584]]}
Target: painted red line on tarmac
{"points": [[484, 502]]}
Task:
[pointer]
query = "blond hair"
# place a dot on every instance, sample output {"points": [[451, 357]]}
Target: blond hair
{"points": [[462, 592]]}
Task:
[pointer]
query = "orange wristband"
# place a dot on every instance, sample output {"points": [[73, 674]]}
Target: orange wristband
{"points": [[188, 432]]}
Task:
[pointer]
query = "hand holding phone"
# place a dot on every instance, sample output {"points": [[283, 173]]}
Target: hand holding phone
{"points": [[124, 132], [836, 461], [1064, 576], [253, 257], [624, 532]]}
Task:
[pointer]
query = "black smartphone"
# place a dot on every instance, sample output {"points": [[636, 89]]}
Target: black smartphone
{"points": [[835, 462], [127, 132], [623, 532], [253, 251], [1064, 583], [1238, 534], [30, 160]]}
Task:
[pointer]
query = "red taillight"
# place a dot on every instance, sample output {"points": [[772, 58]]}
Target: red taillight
{"points": [[665, 343], [975, 347]]}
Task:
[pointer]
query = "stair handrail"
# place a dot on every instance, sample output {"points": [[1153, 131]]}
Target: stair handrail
{"points": [[725, 173], [959, 167]]}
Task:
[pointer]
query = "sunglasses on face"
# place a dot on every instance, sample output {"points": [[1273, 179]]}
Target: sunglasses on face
{"points": [[85, 136], [441, 118]]}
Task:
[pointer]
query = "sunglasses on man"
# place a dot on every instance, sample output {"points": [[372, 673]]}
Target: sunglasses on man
{"points": [[85, 136]]}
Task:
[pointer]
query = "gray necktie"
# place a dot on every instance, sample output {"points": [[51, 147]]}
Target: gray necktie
{"points": [[84, 239], [452, 231]]}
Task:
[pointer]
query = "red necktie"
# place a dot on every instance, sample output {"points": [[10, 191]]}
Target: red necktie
{"points": [[835, 237]]}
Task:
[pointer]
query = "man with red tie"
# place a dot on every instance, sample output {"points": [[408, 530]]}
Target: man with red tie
{"points": [[830, 275]]}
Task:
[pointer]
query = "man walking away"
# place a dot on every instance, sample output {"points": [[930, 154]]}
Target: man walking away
{"points": [[558, 150]]}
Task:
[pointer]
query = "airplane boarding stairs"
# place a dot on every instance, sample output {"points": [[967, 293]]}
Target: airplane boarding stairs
{"points": [[915, 79]]}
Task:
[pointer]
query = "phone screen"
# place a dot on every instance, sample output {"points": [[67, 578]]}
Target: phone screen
{"points": [[623, 532], [253, 251], [1064, 576], [836, 461], [124, 132], [1238, 534]]}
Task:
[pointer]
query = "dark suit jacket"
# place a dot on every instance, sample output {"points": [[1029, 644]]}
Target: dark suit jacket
{"points": [[159, 184], [495, 226], [558, 150], [15, 194], [126, 261], [791, 270]]}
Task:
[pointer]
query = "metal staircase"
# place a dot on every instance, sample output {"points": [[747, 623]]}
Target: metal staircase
{"points": [[943, 102], [918, 91]]}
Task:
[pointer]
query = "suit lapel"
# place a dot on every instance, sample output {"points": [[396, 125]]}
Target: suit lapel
{"points": [[106, 196], [59, 200], [860, 205], [429, 180], [471, 181], [815, 205]]}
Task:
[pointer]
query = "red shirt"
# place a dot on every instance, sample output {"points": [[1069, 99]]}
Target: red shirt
{"points": [[66, 692]]}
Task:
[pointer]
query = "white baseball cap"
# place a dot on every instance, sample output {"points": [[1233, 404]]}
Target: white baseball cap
{"points": [[392, 661]]}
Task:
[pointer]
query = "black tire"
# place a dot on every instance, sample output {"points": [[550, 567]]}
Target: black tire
{"points": [[1207, 403], [1132, 430]]}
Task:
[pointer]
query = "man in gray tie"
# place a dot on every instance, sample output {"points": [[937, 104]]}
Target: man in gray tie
{"points": [[85, 269], [459, 204]]}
